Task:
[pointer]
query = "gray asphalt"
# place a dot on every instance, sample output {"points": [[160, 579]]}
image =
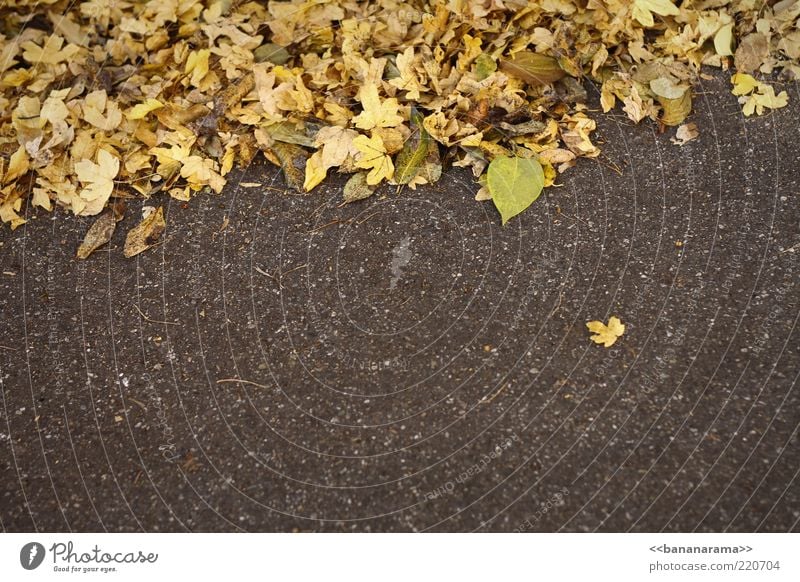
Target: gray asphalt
{"points": [[410, 365]]}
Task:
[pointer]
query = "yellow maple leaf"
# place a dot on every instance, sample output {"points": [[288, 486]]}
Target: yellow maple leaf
{"points": [[98, 181], [376, 113], [100, 111], [9, 212], [335, 146], [756, 96], [50, 53], [606, 334], [409, 79], [200, 172], [373, 157]]}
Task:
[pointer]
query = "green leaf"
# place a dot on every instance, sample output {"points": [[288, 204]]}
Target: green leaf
{"points": [[414, 153], [271, 52], [484, 66], [514, 183], [357, 188], [533, 68]]}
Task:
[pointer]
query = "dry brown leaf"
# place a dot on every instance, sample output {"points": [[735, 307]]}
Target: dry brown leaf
{"points": [[98, 234], [146, 234]]}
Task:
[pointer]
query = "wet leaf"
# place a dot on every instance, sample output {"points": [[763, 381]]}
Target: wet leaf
{"points": [[514, 184]]}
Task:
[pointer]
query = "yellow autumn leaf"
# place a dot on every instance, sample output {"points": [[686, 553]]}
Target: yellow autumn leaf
{"points": [[98, 182], [337, 145], [723, 41], [743, 83], [9, 212], [197, 65], [643, 9], [376, 113], [141, 110], [373, 157], [17, 165], [50, 53], [315, 171], [146, 234], [756, 96], [606, 334], [765, 98], [200, 171], [101, 112]]}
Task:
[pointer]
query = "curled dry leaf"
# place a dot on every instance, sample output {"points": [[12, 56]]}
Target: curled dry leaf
{"points": [[685, 133], [98, 234], [146, 234]]}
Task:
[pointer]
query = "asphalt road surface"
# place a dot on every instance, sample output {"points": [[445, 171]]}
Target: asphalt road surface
{"points": [[289, 363]]}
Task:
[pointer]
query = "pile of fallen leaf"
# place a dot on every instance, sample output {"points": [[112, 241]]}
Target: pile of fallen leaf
{"points": [[106, 100]]}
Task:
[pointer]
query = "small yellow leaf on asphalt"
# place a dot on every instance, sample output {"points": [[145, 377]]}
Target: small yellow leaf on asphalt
{"points": [[743, 83], [756, 96], [606, 334], [685, 133]]}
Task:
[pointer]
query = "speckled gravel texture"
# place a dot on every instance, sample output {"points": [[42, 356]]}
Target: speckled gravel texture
{"points": [[411, 365]]}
